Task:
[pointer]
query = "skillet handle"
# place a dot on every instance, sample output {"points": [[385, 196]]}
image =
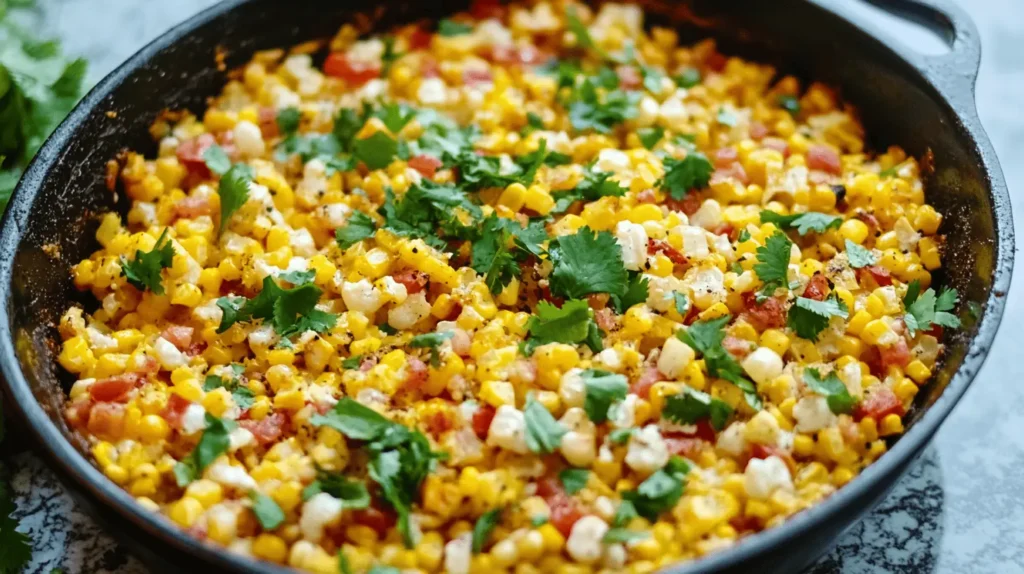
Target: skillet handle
{"points": [[957, 70]]}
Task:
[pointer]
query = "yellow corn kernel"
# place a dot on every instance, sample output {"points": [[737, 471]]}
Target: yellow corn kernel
{"points": [[291, 400], [644, 212], [841, 475], [498, 393], [538, 199], [153, 428], [281, 357], [270, 547], [875, 331], [513, 197], [205, 492], [855, 326], [744, 331], [905, 389], [775, 340], [693, 375], [869, 429], [891, 424], [553, 539], [918, 371], [850, 346], [803, 445], [185, 511], [288, 495], [927, 220], [855, 230], [76, 356]]}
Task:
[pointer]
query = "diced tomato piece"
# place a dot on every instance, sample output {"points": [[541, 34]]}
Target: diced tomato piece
{"points": [[193, 207], [413, 280], [655, 246], [605, 319], [745, 523], [416, 373], [175, 410], [178, 335], [685, 446], [598, 301], [688, 205], [484, 9], [758, 130], [355, 73], [879, 274], [515, 55], [429, 67], [824, 158], [425, 164], [777, 144], [733, 171], [716, 61], [879, 403], [549, 487], [266, 430], [419, 39], [725, 229], [482, 418], [642, 386], [267, 118], [895, 355], [476, 76], [726, 156], [737, 347], [646, 196], [868, 218], [377, 518], [817, 287], [106, 420], [629, 77], [77, 413], [564, 513], [115, 389], [190, 154], [768, 314], [439, 422]]}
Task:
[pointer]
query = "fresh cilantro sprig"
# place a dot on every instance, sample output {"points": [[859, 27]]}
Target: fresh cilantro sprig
{"points": [[804, 223], [858, 256], [213, 443], [234, 191], [706, 337], [449, 28], [427, 208], [809, 317], [926, 309], [358, 227], [772, 266], [483, 528], [352, 493], [637, 290], [602, 390], [589, 110], [289, 311], [496, 254], [145, 269], [267, 511], [586, 262], [832, 388], [691, 406], [432, 341], [242, 396], [661, 491], [687, 174], [571, 324], [594, 185], [543, 433], [649, 137], [574, 479]]}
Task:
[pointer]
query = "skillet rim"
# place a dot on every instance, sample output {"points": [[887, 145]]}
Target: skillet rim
{"points": [[76, 470]]}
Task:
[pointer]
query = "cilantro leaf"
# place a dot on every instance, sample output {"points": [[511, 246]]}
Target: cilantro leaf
{"points": [[492, 255], [242, 396], [352, 493], [354, 420], [803, 222], [588, 110], [623, 535], [358, 227], [839, 399], [683, 175], [772, 266], [290, 311], [706, 337], [585, 263], [581, 33], [483, 528], [432, 341], [859, 256], [594, 185], [449, 28], [808, 317], [635, 293], [661, 491], [602, 389], [15, 547], [789, 103], [352, 362], [543, 433], [572, 323], [376, 151], [688, 78], [650, 137], [144, 271], [427, 207], [927, 309], [395, 116], [288, 120], [381, 569], [234, 191], [652, 79], [266, 510], [213, 443], [624, 514], [574, 479], [217, 160], [692, 405], [389, 57], [682, 303]]}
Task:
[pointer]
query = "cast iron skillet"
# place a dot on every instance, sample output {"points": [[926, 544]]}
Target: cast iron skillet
{"points": [[921, 103]]}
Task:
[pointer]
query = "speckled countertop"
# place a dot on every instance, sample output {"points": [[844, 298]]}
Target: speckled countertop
{"points": [[959, 510]]}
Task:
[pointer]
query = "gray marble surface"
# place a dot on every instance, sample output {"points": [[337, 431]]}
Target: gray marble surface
{"points": [[959, 510]]}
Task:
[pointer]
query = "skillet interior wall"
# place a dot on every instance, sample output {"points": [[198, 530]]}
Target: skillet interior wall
{"points": [[896, 104]]}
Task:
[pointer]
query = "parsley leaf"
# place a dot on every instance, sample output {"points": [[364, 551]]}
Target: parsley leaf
{"points": [[772, 266], [635, 294], [290, 311], [449, 28], [543, 433], [483, 528], [692, 405], [213, 443], [432, 341], [144, 271], [574, 479], [376, 151], [683, 175], [288, 120], [234, 191], [358, 227], [217, 160], [266, 510], [15, 547], [808, 317], [839, 399], [661, 491], [650, 137], [585, 263], [572, 323], [859, 256], [706, 338], [602, 389], [803, 222], [926, 309]]}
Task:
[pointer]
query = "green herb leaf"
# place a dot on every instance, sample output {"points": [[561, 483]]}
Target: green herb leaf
{"points": [[266, 510], [343, 565], [380, 569], [290, 311], [635, 294], [839, 399], [376, 151], [726, 118], [650, 137], [808, 317], [570, 324], [358, 227], [682, 303], [706, 338], [624, 514], [352, 362], [926, 309], [620, 436], [859, 256], [543, 433], [661, 491], [449, 28], [352, 493], [288, 120], [789, 103], [622, 535], [603, 389], [585, 263], [683, 175], [692, 405], [493, 255], [803, 222], [589, 110], [538, 521], [145, 270], [582, 34], [217, 160], [395, 116], [354, 420], [213, 443], [233, 191], [743, 236], [574, 479], [772, 266], [595, 185], [688, 78], [483, 528], [432, 341]]}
